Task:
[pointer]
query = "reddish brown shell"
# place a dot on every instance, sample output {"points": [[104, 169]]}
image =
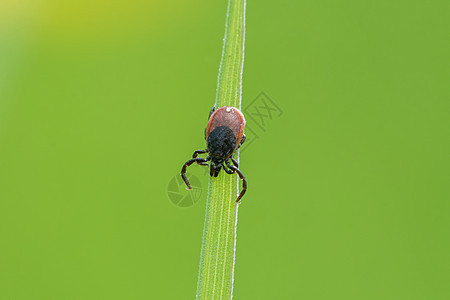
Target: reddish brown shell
{"points": [[227, 116]]}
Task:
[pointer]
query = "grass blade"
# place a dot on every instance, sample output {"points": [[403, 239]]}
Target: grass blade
{"points": [[219, 234]]}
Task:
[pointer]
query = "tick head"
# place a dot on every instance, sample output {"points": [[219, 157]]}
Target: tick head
{"points": [[216, 161], [216, 165]]}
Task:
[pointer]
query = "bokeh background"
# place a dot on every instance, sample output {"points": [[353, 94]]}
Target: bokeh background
{"points": [[101, 102]]}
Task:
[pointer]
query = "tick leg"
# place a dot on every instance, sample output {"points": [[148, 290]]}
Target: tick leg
{"points": [[226, 169], [213, 108], [242, 140], [235, 162], [187, 164], [244, 181], [197, 152], [200, 152]]}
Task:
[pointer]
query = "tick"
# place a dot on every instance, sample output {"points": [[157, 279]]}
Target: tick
{"points": [[224, 134]]}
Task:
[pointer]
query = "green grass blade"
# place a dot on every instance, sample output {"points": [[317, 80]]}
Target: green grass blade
{"points": [[219, 234]]}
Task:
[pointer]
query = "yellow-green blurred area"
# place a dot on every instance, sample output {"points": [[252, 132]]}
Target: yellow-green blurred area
{"points": [[101, 102]]}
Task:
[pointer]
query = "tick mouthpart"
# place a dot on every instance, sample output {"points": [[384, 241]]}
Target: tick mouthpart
{"points": [[214, 170]]}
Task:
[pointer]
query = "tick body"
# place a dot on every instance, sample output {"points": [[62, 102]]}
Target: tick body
{"points": [[224, 134]]}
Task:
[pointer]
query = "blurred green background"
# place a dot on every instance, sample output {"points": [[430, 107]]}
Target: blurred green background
{"points": [[101, 102]]}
